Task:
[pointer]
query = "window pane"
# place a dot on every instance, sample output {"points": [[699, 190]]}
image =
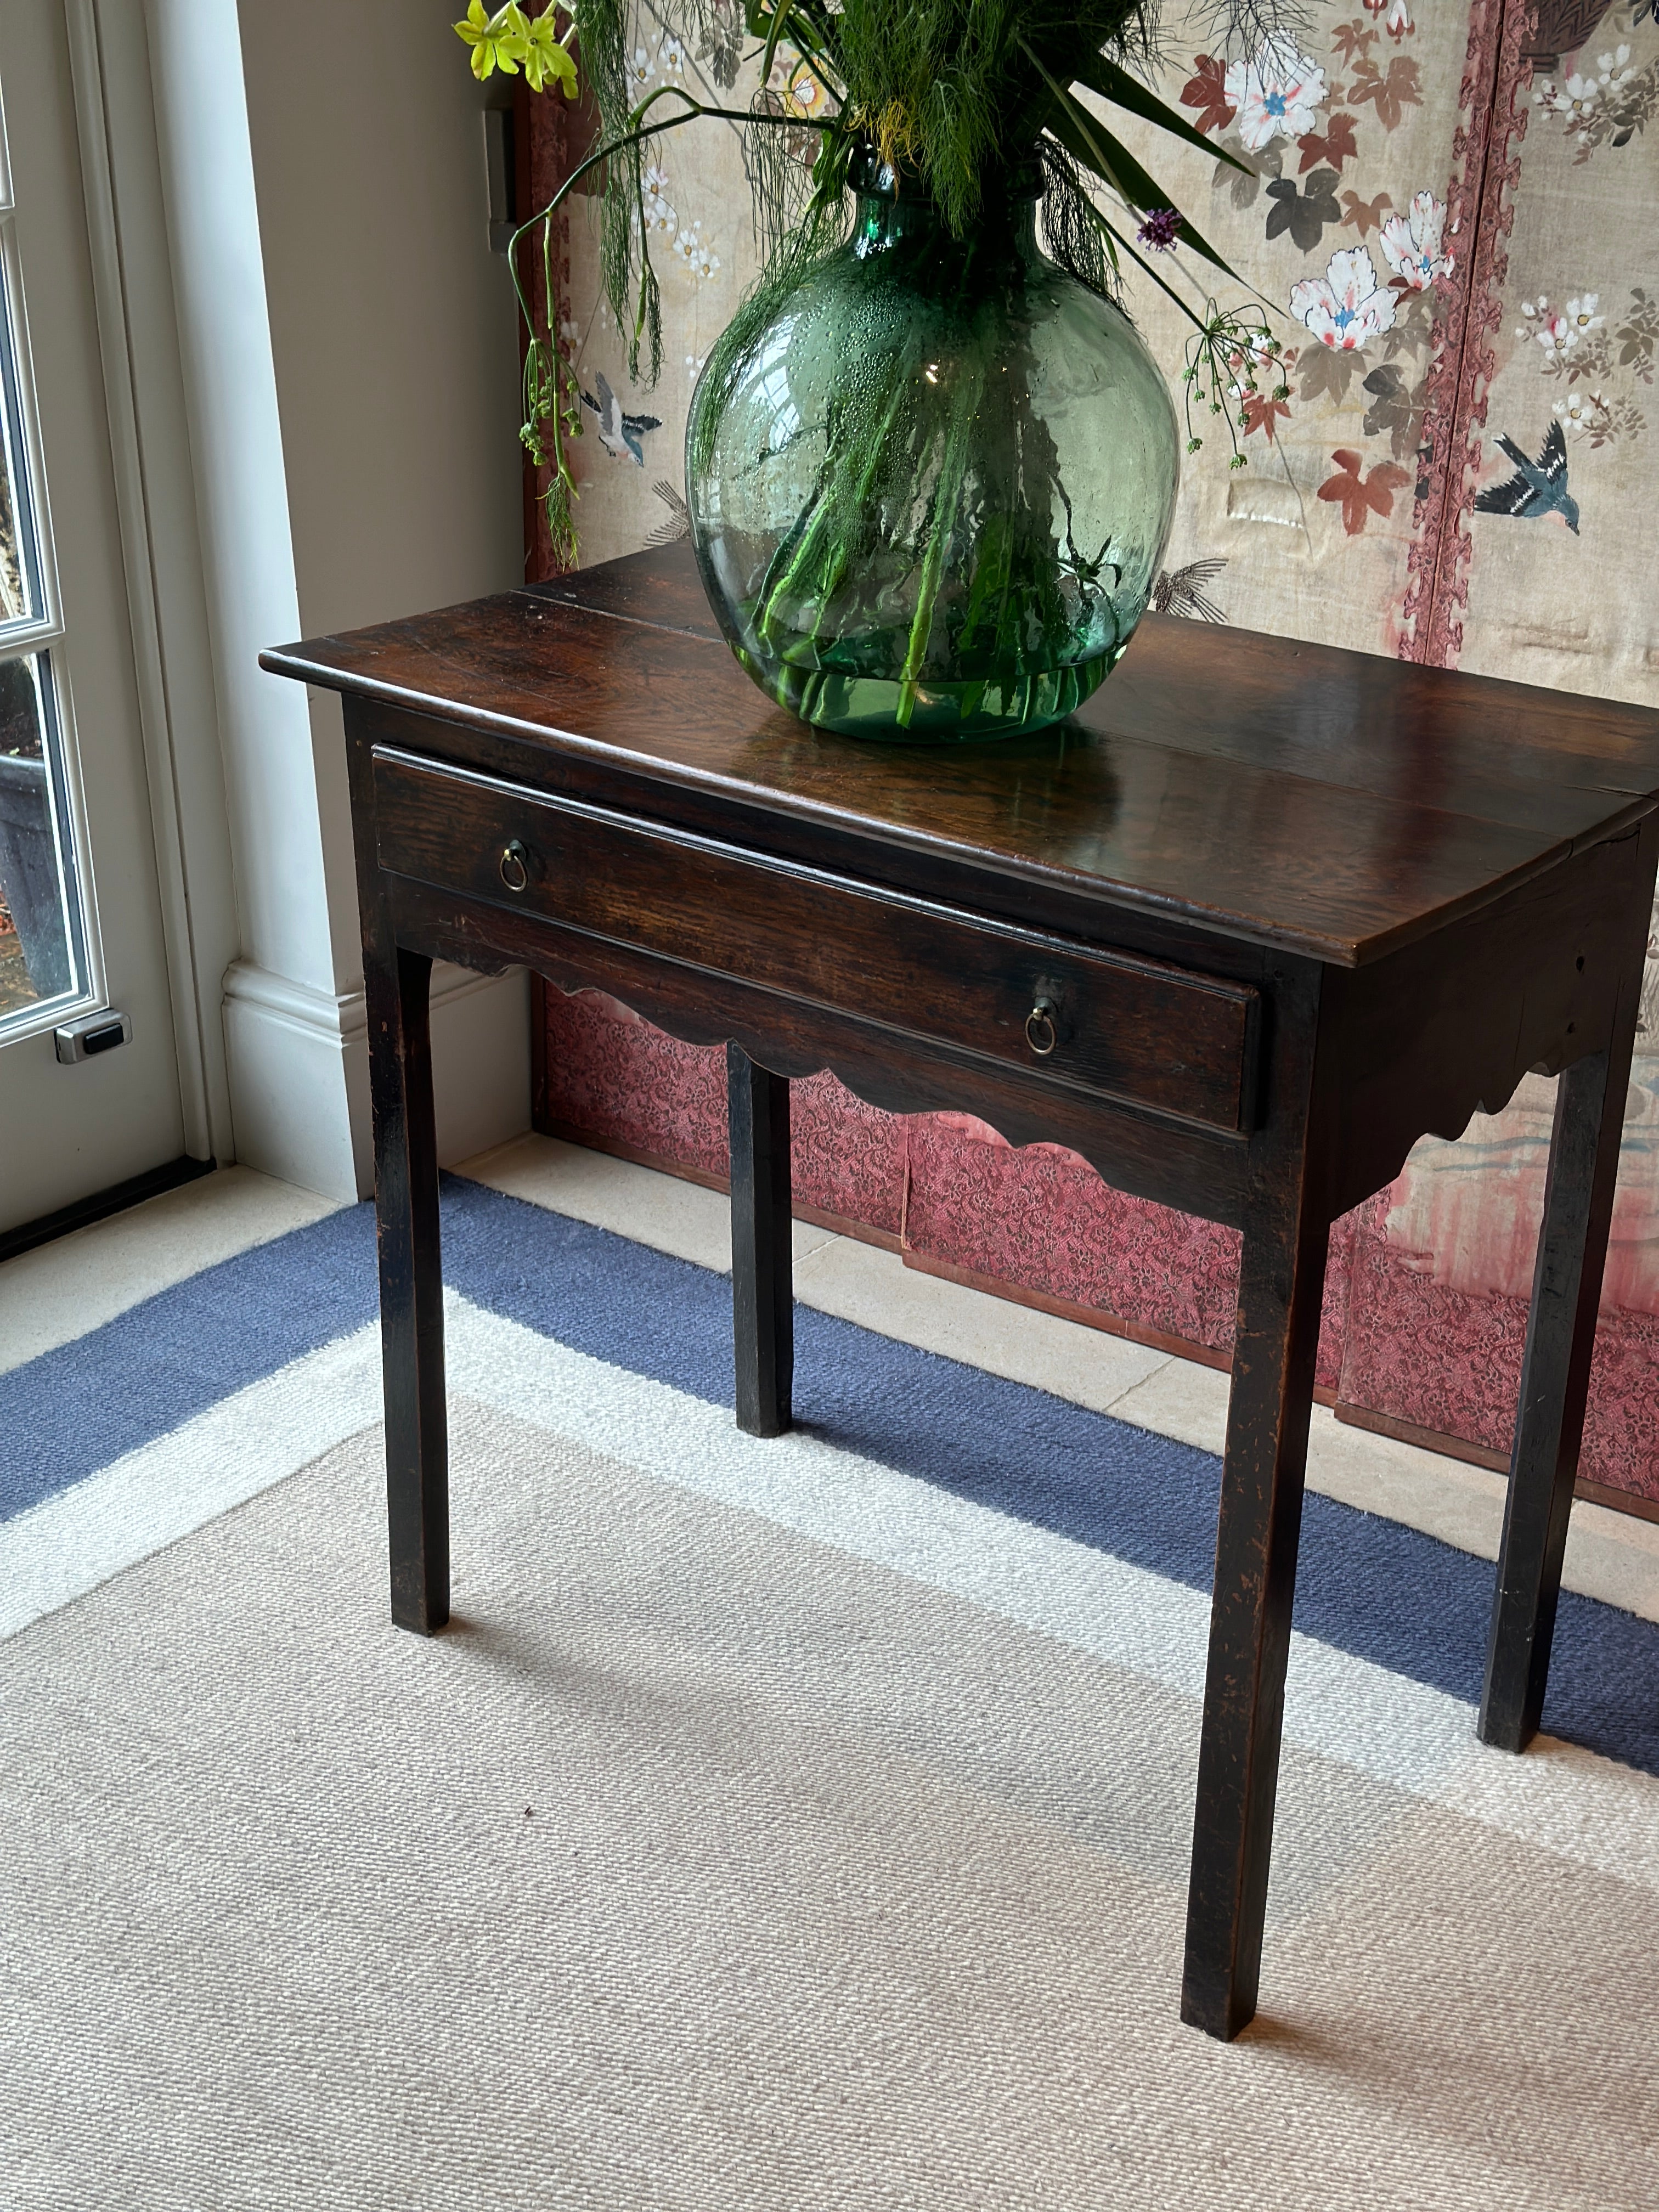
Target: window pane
{"points": [[20, 591], [40, 939]]}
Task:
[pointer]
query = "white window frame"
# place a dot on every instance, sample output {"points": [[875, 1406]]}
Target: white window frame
{"points": [[150, 445], [45, 636]]}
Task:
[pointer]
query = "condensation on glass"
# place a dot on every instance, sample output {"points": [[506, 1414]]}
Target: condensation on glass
{"points": [[43, 946], [931, 483]]}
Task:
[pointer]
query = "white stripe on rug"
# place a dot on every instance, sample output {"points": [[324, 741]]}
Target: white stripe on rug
{"points": [[69, 1543], [1569, 1801]]}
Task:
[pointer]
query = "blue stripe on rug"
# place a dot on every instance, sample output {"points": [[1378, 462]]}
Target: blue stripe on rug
{"points": [[1366, 1586], [159, 1364]]}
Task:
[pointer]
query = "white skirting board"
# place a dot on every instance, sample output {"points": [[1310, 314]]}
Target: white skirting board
{"points": [[299, 1074]]}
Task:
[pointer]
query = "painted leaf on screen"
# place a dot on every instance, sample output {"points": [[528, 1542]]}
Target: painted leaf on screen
{"points": [[1361, 498], [1364, 215], [1206, 90], [1335, 147], [1260, 411], [1390, 94], [1349, 40], [1413, 330], [1637, 337], [1242, 188], [1325, 372], [1305, 214], [1396, 408]]}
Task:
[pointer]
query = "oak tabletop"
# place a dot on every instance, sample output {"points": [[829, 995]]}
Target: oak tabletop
{"points": [[1321, 801]]}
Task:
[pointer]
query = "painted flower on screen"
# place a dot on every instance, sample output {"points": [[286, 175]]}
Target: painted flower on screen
{"points": [[1411, 242], [1276, 94], [659, 212], [1398, 21], [1347, 308], [1573, 101], [1556, 333], [1582, 412], [697, 256], [804, 93]]}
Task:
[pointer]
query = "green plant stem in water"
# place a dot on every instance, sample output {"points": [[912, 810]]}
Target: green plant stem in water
{"points": [[834, 508], [947, 499]]}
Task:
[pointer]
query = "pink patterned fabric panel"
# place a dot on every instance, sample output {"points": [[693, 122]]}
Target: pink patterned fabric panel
{"points": [[1039, 1217], [1621, 1429], [1333, 1315], [612, 1075], [847, 1157], [1420, 1351]]}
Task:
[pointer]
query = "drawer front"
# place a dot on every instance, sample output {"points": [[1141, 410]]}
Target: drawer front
{"points": [[1132, 1029]]}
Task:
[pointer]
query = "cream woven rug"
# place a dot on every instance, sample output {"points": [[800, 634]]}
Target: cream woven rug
{"points": [[710, 1863]]}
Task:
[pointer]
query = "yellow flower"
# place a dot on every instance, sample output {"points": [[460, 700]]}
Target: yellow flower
{"points": [[545, 58], [498, 41]]}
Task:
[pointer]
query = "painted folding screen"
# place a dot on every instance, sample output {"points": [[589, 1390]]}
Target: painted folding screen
{"points": [[1453, 212]]}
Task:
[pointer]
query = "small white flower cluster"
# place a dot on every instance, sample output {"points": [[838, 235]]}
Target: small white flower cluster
{"points": [[668, 62], [660, 213], [1560, 330], [1581, 413], [1577, 97], [696, 255]]}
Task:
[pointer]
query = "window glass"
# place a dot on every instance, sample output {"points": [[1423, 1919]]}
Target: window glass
{"points": [[40, 936], [43, 946], [20, 582]]}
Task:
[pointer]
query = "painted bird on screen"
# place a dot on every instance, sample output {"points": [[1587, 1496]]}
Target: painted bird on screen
{"points": [[1187, 591], [1538, 488], [619, 433]]}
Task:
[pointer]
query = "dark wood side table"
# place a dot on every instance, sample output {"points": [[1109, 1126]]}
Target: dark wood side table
{"points": [[1264, 914]]}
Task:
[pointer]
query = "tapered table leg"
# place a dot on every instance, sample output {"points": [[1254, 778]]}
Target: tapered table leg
{"points": [[762, 1292], [1566, 1290], [1281, 1278], [411, 1288]]}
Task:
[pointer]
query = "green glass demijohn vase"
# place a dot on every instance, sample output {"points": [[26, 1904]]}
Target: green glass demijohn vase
{"points": [[930, 481]]}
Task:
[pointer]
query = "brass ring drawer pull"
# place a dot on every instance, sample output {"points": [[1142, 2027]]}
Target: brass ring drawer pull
{"points": [[1040, 1031], [514, 874]]}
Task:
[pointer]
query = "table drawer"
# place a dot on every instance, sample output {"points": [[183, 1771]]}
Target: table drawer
{"points": [[1135, 1029]]}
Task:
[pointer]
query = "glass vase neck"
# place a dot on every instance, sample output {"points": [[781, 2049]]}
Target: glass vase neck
{"points": [[894, 209]]}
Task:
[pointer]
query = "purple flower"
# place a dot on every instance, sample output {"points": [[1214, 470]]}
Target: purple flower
{"points": [[1161, 228]]}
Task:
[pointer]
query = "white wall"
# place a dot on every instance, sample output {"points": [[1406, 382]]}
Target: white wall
{"points": [[350, 362]]}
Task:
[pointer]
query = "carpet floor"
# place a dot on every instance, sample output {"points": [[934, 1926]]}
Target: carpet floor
{"points": [[800, 1824]]}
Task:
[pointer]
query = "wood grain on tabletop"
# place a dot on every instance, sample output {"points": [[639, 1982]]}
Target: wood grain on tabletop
{"points": [[1321, 801]]}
